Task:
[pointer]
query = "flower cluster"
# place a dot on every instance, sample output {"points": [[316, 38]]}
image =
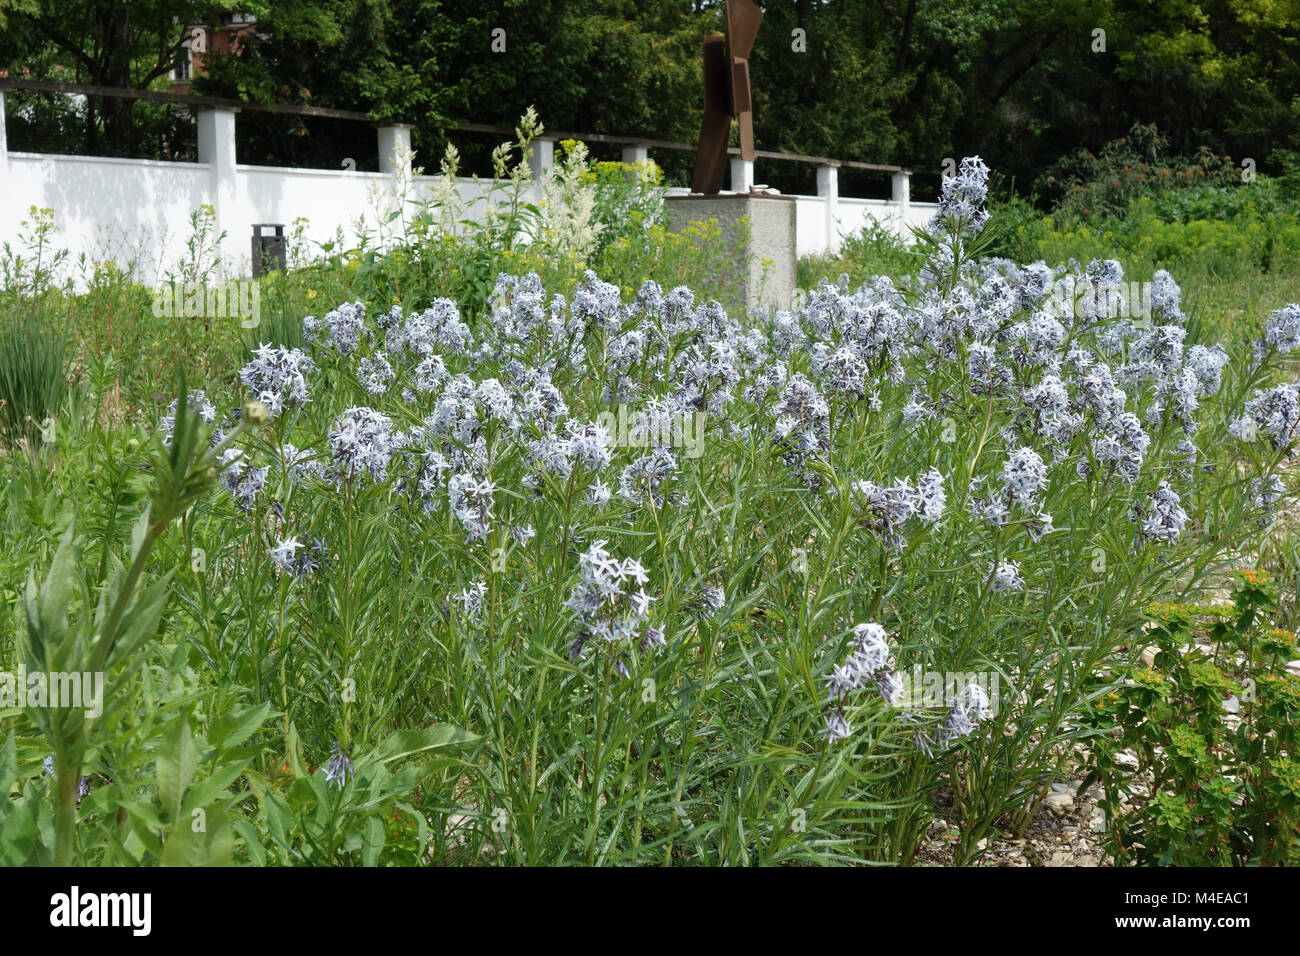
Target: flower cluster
{"points": [[1006, 576], [199, 404], [1282, 331], [362, 442], [339, 769], [1275, 412], [290, 556], [83, 785], [472, 598], [802, 425], [961, 199], [243, 481], [869, 664], [342, 327], [471, 502], [887, 508], [965, 712], [610, 606], [711, 599], [277, 377], [1162, 518]]}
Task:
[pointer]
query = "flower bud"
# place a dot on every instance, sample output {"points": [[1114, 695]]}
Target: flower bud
{"points": [[256, 413]]}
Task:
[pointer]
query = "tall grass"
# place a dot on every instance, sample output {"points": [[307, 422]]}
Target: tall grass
{"points": [[33, 377]]}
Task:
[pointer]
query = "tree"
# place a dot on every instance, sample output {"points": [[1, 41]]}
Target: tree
{"points": [[101, 43], [1021, 82]]}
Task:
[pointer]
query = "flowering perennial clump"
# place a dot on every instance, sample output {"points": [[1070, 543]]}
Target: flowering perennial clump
{"points": [[998, 469]]}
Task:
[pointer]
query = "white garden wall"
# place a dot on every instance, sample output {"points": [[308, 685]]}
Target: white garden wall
{"points": [[138, 211]]}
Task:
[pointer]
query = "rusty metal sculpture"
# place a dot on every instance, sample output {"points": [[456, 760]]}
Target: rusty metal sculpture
{"points": [[726, 95]]}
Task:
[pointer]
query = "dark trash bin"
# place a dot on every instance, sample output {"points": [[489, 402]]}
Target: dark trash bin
{"points": [[268, 249]]}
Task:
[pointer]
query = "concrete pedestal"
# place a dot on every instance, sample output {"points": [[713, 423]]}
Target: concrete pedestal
{"points": [[765, 275]]}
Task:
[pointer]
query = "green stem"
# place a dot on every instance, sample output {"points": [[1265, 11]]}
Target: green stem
{"points": [[65, 814]]}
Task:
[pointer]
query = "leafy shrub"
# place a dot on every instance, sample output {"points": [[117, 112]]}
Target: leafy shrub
{"points": [[1266, 198], [629, 202], [1103, 184], [1214, 721], [604, 216], [874, 250]]}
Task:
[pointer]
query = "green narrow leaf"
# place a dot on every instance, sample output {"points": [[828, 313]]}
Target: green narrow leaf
{"points": [[293, 750], [407, 743], [34, 651], [252, 841], [56, 593]]}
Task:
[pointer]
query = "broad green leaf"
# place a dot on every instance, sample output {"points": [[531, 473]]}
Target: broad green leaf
{"points": [[209, 788], [56, 593], [293, 749], [8, 766], [140, 622], [252, 841], [176, 765], [18, 831], [34, 650], [374, 842], [231, 730], [279, 818], [186, 846]]}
